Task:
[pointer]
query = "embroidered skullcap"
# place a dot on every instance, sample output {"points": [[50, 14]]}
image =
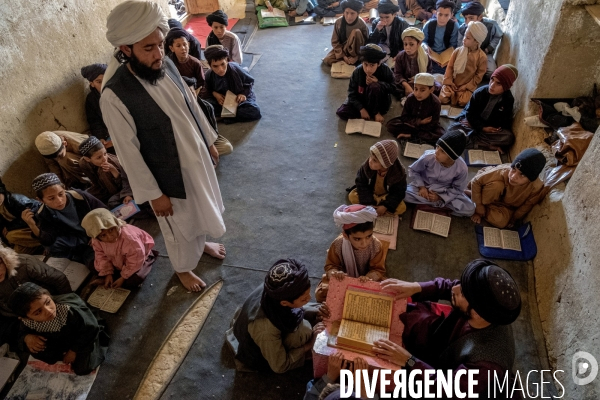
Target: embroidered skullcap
{"points": [[424, 79], [386, 152], [88, 144], [20, 300], [530, 162], [453, 142], [347, 217], [478, 30], [444, 4], [413, 32], [215, 52], [473, 8], [355, 5], [91, 72], [506, 74], [286, 279], [98, 219], [491, 292], [176, 33], [48, 143], [44, 180], [218, 16], [387, 7], [372, 53]]}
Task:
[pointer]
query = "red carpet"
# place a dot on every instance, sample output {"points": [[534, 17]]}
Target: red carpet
{"points": [[198, 27]]}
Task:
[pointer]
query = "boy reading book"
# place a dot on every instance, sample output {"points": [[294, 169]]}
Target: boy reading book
{"points": [[411, 61], [504, 194], [124, 253], [61, 154], [420, 119], [356, 252], [218, 22], [381, 180], [349, 33], [370, 89], [387, 29], [440, 177], [466, 67], [441, 32]]}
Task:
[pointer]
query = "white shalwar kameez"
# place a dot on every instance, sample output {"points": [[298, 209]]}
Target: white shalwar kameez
{"points": [[199, 214]]}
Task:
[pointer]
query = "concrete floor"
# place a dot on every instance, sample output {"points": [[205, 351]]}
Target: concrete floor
{"points": [[280, 187]]}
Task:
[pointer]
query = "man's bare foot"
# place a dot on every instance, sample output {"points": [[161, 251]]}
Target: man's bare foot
{"points": [[216, 250], [191, 281]]}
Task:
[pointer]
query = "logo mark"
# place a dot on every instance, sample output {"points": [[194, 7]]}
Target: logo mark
{"points": [[585, 368]]}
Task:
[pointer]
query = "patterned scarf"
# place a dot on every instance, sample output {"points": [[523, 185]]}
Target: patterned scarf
{"points": [[54, 325]]}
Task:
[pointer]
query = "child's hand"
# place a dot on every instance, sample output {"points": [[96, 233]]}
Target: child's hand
{"points": [[118, 283], [423, 192], [108, 281], [371, 79], [334, 366], [107, 143], [339, 275], [292, 13], [106, 167], [425, 121], [35, 343], [433, 197], [240, 98], [407, 88], [379, 118], [380, 25], [381, 210], [364, 114], [127, 199], [69, 357], [347, 60], [220, 98], [323, 312], [364, 279], [28, 216], [491, 129]]}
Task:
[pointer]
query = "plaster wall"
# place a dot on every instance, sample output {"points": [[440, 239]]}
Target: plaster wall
{"points": [[43, 45]]}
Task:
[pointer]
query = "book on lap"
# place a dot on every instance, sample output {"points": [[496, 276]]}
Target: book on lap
{"points": [[441, 58], [75, 272], [450, 112], [125, 211], [483, 157], [410, 20], [501, 238], [276, 13], [433, 223], [341, 70], [413, 150], [109, 300], [369, 128], [230, 105]]}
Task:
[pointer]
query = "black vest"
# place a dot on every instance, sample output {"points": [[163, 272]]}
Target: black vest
{"points": [[486, 42], [154, 128], [431, 33]]}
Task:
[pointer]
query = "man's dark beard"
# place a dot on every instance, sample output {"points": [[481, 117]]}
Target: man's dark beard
{"points": [[145, 72]]}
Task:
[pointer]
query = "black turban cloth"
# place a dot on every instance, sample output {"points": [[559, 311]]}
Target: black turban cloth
{"points": [[286, 280], [194, 43], [176, 33], [444, 4], [173, 23], [91, 72], [218, 16], [530, 162], [215, 52], [387, 7], [372, 53], [473, 8], [491, 292], [355, 5]]}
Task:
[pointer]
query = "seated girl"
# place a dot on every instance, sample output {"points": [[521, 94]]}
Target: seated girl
{"points": [[59, 328], [109, 181], [124, 253]]}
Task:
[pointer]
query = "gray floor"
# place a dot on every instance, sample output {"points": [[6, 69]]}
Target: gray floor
{"points": [[280, 187]]}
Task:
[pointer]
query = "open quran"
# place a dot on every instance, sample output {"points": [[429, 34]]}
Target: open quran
{"points": [[501, 238], [441, 58], [367, 317], [109, 300], [433, 223]]}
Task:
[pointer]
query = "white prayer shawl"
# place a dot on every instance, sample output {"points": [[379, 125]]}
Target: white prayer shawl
{"points": [[460, 63], [479, 33], [198, 214]]}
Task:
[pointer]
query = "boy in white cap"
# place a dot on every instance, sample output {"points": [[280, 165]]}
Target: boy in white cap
{"points": [[466, 68], [60, 150]]}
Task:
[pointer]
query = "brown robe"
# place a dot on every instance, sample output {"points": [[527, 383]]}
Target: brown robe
{"points": [[467, 81], [357, 35], [67, 168]]}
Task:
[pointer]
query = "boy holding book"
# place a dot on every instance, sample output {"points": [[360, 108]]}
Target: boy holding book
{"points": [[440, 177], [466, 67], [441, 32], [349, 33], [420, 119], [504, 194], [356, 252]]}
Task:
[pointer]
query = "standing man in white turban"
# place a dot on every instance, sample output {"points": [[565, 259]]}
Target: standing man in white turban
{"points": [[163, 139]]}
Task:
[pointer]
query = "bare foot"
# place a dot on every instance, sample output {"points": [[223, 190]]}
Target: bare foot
{"points": [[191, 281], [216, 250]]}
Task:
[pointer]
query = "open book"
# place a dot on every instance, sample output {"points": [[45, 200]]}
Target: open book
{"points": [[75, 272], [328, 20], [304, 20], [443, 57], [125, 211], [109, 300], [410, 20], [369, 128], [384, 224], [413, 150], [341, 70], [230, 105], [367, 317], [501, 238], [481, 157], [272, 14], [450, 112], [434, 223]]}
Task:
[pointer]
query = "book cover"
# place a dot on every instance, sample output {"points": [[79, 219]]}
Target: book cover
{"points": [[125, 211]]}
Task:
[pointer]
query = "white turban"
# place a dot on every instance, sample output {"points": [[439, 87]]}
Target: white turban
{"points": [[479, 33], [478, 30], [354, 214], [130, 22]]}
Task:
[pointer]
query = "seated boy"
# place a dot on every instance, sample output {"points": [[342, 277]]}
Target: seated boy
{"points": [[349, 33], [271, 331], [13, 229], [441, 32], [387, 29], [280, 4], [94, 74], [439, 177], [488, 116], [411, 61], [109, 181], [195, 46], [220, 35], [370, 88], [300, 7], [504, 194], [60, 150], [474, 12], [224, 76], [68, 330], [328, 8], [420, 119], [419, 9], [381, 180], [466, 67], [187, 65], [355, 252]]}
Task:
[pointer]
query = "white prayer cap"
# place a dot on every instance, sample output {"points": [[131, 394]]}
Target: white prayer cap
{"points": [[132, 20], [424, 79], [48, 143], [478, 30]]}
